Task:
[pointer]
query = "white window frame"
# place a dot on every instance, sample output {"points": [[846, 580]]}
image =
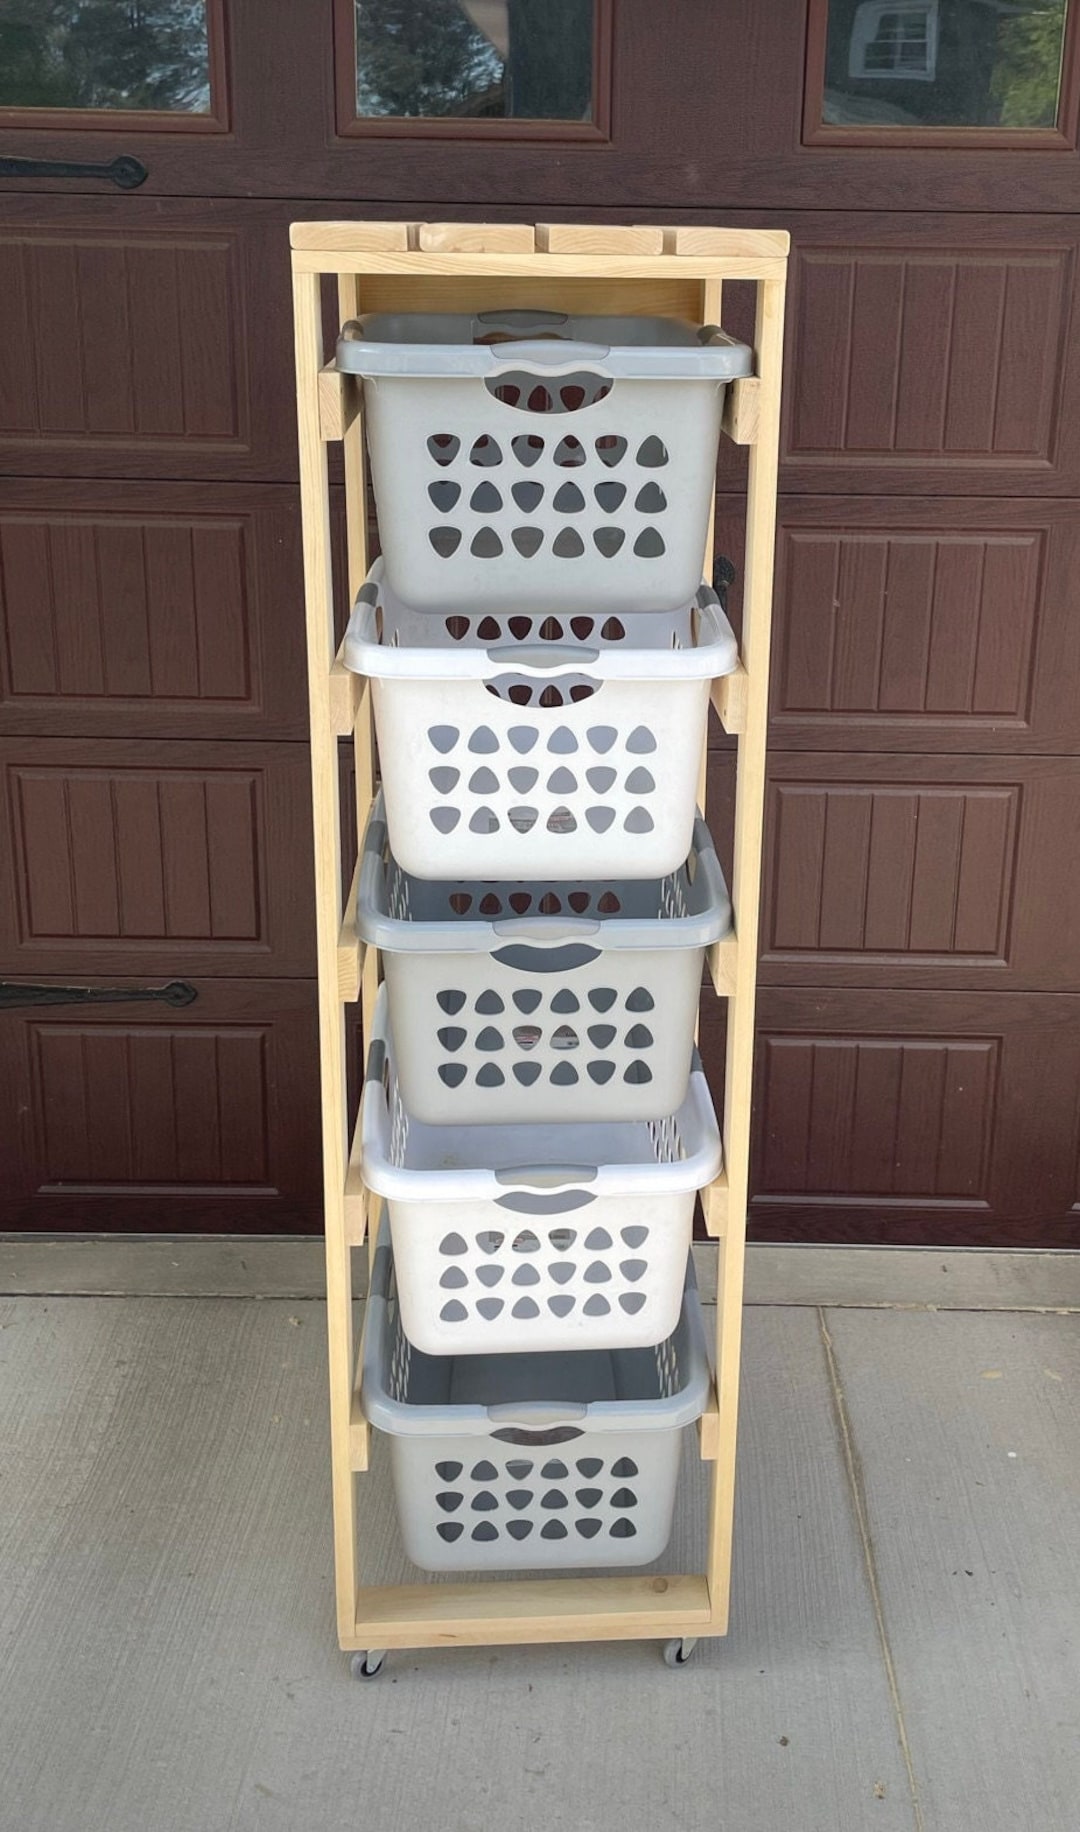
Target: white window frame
{"points": [[864, 31]]}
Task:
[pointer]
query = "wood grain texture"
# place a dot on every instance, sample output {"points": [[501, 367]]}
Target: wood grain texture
{"points": [[149, 609], [165, 373], [141, 1115], [599, 238], [326, 823], [472, 238], [926, 624], [915, 1117], [133, 856], [923, 871]]}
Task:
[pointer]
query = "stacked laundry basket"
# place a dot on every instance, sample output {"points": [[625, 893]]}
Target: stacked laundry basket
{"points": [[542, 889]]}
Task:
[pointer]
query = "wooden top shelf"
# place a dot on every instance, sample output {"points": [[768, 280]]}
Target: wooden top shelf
{"points": [[559, 250]]}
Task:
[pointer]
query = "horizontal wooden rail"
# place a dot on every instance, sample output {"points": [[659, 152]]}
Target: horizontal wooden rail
{"points": [[556, 266], [499, 1612]]}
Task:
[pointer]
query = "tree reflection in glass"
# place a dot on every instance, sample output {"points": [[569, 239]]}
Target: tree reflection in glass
{"points": [[503, 59], [105, 54]]}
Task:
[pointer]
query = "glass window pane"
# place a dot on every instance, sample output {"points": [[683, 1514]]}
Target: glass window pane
{"points": [[114, 54], [525, 60], [943, 63]]}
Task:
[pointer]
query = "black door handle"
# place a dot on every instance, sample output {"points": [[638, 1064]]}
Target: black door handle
{"points": [[124, 171], [177, 992]]}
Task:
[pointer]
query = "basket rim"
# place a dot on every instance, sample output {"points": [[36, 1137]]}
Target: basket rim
{"points": [[715, 651], [400, 1419], [709, 922], [579, 1163]]}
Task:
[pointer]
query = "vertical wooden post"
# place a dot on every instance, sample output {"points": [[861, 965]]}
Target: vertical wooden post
{"points": [[319, 603], [746, 897]]}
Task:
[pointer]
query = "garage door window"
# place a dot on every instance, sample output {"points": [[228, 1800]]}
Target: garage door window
{"points": [[515, 68], [940, 72], [68, 63]]}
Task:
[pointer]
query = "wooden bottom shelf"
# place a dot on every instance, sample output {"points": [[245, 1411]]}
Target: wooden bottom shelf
{"points": [[501, 1612]]}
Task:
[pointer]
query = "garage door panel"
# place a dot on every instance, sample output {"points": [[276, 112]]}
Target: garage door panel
{"points": [[130, 349], [156, 858], [133, 1113], [928, 360], [910, 1117], [164, 609], [926, 624], [922, 871]]}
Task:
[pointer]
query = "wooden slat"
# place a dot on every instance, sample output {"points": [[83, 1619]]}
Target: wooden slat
{"points": [[319, 611], [729, 693], [359, 1429], [723, 959], [742, 410], [357, 237], [709, 1428], [674, 295], [474, 238], [359, 1438], [565, 266], [351, 949], [599, 238], [746, 896], [339, 402], [726, 244], [530, 1609], [347, 692], [714, 1206], [356, 1196]]}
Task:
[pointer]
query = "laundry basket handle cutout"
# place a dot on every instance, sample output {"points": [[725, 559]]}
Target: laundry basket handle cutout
{"points": [[544, 660], [545, 1176], [546, 928], [522, 959], [533, 1414]]}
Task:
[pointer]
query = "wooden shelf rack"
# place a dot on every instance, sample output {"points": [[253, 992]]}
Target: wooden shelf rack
{"points": [[584, 268]]}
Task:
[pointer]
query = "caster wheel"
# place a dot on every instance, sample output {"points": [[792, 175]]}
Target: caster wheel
{"points": [[367, 1666], [677, 1653]]}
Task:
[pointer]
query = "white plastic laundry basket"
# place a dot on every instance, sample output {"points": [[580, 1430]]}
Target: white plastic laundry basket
{"points": [[520, 747], [577, 453], [547, 1237], [537, 1460], [531, 1002]]}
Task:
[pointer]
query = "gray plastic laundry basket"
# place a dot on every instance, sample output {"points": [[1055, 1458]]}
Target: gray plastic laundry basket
{"points": [[511, 1238], [533, 1460], [559, 747], [578, 452], [541, 1001]]}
